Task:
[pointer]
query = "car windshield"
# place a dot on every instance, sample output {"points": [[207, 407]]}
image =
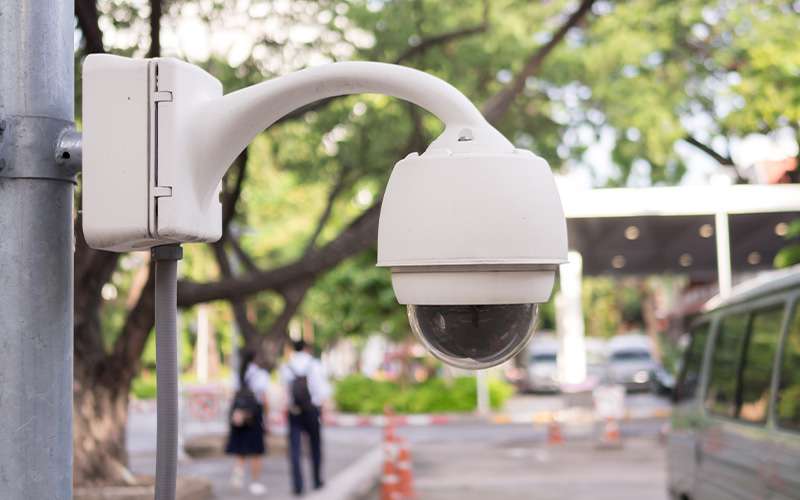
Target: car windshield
{"points": [[630, 355], [544, 357]]}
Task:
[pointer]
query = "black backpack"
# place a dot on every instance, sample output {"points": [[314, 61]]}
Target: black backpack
{"points": [[244, 408], [301, 395]]}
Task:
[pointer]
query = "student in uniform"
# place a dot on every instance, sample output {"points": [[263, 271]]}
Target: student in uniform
{"points": [[308, 390], [247, 424]]}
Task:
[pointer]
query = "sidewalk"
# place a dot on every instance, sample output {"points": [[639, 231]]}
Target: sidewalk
{"points": [[342, 447]]}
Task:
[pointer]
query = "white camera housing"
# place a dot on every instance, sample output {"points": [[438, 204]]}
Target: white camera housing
{"points": [[139, 181], [472, 238], [472, 229]]}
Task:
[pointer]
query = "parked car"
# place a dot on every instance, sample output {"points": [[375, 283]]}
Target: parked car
{"points": [[630, 361], [542, 364], [735, 430]]}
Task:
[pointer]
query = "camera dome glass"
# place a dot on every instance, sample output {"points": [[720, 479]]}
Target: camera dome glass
{"points": [[473, 337]]}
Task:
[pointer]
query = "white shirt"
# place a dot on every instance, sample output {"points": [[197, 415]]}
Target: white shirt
{"points": [[303, 364], [257, 379]]}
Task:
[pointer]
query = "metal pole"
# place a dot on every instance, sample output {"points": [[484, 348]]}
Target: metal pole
{"points": [[723, 240], [36, 246]]}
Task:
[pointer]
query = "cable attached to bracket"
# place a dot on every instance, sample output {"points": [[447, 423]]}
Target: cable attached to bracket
{"points": [[166, 258]]}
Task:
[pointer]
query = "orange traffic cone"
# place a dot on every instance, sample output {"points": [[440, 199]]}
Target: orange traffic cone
{"points": [[405, 472], [554, 435], [390, 481], [611, 436]]}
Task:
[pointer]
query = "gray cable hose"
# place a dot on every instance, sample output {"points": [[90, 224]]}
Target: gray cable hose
{"points": [[166, 297]]}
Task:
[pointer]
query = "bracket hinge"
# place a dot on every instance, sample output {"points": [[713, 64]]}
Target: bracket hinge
{"points": [[162, 96], [162, 191]]}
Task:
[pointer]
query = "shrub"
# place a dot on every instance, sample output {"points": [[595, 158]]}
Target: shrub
{"points": [[144, 386], [359, 394]]}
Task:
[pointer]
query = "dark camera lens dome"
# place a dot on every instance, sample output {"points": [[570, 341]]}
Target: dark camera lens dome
{"points": [[473, 337]]}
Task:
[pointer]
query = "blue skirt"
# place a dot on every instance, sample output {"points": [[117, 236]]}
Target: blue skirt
{"points": [[249, 439]]}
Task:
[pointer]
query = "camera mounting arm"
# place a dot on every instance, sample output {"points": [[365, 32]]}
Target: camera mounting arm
{"points": [[223, 127], [160, 134]]}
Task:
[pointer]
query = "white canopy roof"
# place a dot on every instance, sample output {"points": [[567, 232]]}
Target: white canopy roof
{"points": [[672, 229]]}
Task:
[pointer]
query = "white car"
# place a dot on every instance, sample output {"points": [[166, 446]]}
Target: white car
{"points": [[630, 361], [542, 364]]}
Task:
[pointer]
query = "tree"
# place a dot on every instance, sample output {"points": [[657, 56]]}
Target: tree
{"points": [[106, 361], [553, 76]]}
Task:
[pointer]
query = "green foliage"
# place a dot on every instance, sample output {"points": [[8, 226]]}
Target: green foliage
{"points": [[790, 254], [359, 394], [144, 386], [642, 73], [355, 299]]}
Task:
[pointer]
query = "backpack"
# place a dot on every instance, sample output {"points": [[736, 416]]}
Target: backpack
{"points": [[244, 408], [301, 395]]}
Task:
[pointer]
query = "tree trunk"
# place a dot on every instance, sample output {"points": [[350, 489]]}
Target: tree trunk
{"points": [[99, 423]]}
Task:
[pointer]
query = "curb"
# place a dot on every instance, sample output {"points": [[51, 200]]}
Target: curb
{"points": [[575, 416], [356, 481], [569, 415]]}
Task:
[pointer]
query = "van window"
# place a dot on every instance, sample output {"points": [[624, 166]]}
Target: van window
{"points": [[759, 358], [692, 363], [721, 394], [788, 401]]}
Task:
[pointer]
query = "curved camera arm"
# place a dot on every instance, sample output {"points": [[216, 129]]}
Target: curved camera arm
{"points": [[224, 126]]}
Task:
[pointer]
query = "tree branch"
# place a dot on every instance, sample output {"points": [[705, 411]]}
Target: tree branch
{"points": [[130, 344], [246, 327], [440, 39], [155, 28], [88, 22], [719, 158], [498, 105], [326, 213], [272, 343], [231, 198], [424, 45], [239, 251], [359, 235]]}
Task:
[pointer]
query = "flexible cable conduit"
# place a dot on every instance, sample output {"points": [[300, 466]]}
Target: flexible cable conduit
{"points": [[166, 295]]}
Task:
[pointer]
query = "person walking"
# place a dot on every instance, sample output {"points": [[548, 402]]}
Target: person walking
{"points": [[247, 424], [308, 390]]}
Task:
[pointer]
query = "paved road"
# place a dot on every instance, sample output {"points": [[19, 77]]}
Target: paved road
{"points": [[514, 462], [526, 471], [466, 461]]}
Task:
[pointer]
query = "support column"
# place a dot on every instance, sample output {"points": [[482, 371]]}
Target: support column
{"points": [[569, 323], [723, 240], [36, 250], [483, 392]]}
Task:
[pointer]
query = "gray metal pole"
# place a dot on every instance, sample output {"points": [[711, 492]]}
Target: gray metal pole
{"points": [[36, 246]]}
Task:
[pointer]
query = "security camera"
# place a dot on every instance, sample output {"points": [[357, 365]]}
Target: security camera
{"points": [[472, 229], [473, 239]]}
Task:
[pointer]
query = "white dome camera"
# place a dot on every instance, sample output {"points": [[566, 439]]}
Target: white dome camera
{"points": [[473, 239], [472, 229]]}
